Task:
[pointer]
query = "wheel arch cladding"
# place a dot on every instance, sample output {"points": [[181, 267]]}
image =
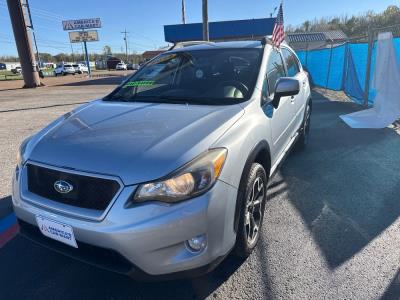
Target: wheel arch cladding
{"points": [[260, 154]]}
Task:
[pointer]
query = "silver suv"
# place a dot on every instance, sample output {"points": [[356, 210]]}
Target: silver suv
{"points": [[168, 173]]}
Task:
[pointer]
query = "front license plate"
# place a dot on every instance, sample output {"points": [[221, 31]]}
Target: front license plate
{"points": [[57, 231]]}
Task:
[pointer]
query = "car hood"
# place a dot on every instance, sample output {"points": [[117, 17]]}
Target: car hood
{"points": [[138, 142]]}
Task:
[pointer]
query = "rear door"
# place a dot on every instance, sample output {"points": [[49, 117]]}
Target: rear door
{"points": [[281, 117], [293, 70]]}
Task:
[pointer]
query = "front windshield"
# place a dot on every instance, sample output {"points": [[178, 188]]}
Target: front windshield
{"points": [[215, 76]]}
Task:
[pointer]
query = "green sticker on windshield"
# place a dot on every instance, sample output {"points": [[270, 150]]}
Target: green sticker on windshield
{"points": [[139, 83]]}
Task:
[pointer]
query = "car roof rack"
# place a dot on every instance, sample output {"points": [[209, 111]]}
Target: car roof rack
{"points": [[189, 43]]}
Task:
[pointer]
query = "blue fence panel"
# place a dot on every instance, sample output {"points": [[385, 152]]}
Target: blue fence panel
{"points": [[317, 63], [336, 68]]}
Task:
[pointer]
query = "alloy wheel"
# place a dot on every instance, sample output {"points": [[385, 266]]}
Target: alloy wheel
{"points": [[253, 213]]}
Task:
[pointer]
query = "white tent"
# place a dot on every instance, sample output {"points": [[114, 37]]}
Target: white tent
{"points": [[386, 82]]}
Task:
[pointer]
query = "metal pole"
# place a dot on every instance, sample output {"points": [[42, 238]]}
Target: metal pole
{"points": [[329, 66], [307, 54], [371, 37], [37, 50], [183, 12], [206, 36], [87, 59], [345, 66], [24, 44], [72, 52]]}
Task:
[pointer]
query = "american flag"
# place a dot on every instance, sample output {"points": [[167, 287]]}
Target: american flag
{"points": [[278, 34]]}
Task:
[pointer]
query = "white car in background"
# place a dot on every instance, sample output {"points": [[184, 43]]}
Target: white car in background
{"points": [[80, 68], [17, 70], [64, 70], [121, 66]]}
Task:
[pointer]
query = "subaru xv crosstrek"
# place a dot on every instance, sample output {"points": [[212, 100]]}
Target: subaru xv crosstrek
{"points": [[167, 174]]}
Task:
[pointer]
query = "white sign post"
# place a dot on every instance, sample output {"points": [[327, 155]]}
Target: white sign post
{"points": [[83, 36]]}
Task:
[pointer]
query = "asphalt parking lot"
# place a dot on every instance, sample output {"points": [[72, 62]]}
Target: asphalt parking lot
{"points": [[331, 231]]}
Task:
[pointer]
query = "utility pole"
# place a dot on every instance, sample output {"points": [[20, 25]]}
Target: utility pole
{"points": [[126, 43], [206, 36], [183, 12], [33, 30], [24, 44]]}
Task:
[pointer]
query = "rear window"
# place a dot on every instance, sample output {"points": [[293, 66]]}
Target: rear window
{"points": [[67, 66], [75, 66]]}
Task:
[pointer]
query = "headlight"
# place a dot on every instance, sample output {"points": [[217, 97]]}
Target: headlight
{"points": [[193, 179]]}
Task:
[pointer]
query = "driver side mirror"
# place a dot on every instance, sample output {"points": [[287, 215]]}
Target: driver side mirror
{"points": [[284, 87]]}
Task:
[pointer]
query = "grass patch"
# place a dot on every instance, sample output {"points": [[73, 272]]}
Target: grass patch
{"points": [[4, 77]]}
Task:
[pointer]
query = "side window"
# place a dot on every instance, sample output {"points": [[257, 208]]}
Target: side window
{"points": [[275, 70], [291, 62]]}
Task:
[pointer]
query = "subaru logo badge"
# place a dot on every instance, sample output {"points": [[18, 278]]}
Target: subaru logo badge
{"points": [[63, 187]]}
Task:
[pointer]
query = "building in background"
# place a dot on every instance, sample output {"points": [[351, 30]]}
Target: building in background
{"points": [[316, 40], [147, 55]]}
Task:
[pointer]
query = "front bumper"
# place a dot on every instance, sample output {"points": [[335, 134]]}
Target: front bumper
{"points": [[150, 237]]}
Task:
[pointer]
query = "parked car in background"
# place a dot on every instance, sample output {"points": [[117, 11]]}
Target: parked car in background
{"points": [[169, 172], [80, 68], [132, 66], [121, 66], [17, 70], [64, 70], [3, 66]]}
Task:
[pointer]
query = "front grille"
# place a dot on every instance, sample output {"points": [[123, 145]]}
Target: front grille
{"points": [[88, 192]]}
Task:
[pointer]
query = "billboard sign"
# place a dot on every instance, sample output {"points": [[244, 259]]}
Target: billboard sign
{"points": [[81, 24], [83, 36]]}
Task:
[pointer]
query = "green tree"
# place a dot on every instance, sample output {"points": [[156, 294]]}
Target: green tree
{"points": [[107, 50]]}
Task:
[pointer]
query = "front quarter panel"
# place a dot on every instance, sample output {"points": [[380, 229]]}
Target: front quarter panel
{"points": [[241, 139]]}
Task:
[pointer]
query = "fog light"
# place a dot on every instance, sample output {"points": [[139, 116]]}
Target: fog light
{"points": [[197, 243]]}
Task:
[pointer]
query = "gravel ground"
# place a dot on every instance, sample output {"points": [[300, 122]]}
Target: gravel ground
{"points": [[332, 226]]}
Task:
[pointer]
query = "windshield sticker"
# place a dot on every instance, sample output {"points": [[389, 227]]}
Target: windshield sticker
{"points": [[139, 83]]}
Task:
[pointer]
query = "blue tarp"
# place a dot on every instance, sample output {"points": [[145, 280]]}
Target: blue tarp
{"points": [[347, 70]]}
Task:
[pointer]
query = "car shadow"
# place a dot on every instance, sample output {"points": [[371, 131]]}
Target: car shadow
{"points": [[345, 184], [41, 273], [393, 291], [5, 206]]}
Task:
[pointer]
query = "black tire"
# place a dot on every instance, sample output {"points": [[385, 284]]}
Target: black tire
{"points": [[251, 213], [305, 129]]}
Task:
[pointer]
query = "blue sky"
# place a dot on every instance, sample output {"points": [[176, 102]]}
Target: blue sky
{"points": [[144, 19]]}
